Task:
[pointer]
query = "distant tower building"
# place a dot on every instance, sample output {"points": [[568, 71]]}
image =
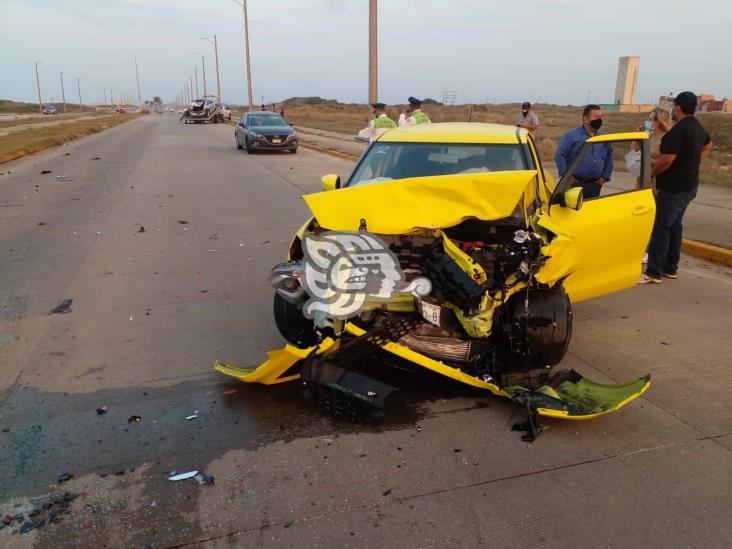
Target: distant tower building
{"points": [[627, 80]]}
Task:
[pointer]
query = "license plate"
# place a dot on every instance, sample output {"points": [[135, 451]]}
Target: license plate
{"points": [[276, 141], [431, 313]]}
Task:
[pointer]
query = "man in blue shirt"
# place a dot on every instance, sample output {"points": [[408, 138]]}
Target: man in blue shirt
{"points": [[596, 167]]}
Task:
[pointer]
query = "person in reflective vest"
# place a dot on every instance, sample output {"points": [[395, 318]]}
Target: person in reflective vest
{"points": [[380, 123], [414, 115]]}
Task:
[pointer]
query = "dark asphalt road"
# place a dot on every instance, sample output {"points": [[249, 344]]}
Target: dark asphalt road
{"points": [[152, 310]]}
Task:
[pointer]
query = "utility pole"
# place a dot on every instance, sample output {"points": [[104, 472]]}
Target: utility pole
{"points": [[78, 85], [139, 95], [190, 76], [105, 95], [63, 95], [195, 72], [373, 53], [218, 76], [203, 72], [249, 64], [38, 84]]}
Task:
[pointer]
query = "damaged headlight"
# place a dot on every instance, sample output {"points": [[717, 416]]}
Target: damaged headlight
{"points": [[286, 280]]}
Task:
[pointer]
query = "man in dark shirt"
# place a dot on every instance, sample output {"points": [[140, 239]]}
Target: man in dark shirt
{"points": [[677, 178]]}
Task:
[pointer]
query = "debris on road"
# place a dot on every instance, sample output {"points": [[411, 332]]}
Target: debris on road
{"points": [[192, 417], [141, 229], [62, 308], [182, 222], [183, 476], [44, 172], [134, 419], [64, 477], [64, 176], [101, 410], [202, 478], [95, 158], [265, 242], [63, 154], [50, 509]]}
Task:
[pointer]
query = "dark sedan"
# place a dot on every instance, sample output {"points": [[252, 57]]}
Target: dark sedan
{"points": [[264, 131]]}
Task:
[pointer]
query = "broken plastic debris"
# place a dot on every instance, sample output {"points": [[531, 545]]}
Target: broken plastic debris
{"points": [[62, 176], [203, 478], [191, 417], [95, 158], [63, 477], [63, 154], [102, 410], [62, 308], [43, 172], [182, 222], [134, 419], [183, 476], [141, 229]]}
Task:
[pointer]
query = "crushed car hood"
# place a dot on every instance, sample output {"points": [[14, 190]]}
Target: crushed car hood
{"points": [[400, 206]]}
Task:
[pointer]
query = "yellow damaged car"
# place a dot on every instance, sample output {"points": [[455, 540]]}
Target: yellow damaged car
{"points": [[450, 248]]}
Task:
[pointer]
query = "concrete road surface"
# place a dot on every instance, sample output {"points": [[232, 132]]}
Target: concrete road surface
{"points": [[152, 310]]}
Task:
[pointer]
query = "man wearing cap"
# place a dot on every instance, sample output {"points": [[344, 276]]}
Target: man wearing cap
{"points": [[416, 116], [527, 119], [378, 125]]}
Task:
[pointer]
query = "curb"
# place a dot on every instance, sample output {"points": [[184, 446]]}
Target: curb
{"points": [[325, 150], [715, 254]]}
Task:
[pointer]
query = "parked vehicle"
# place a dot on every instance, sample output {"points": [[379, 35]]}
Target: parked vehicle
{"points": [[450, 248], [226, 110], [261, 131], [50, 109]]}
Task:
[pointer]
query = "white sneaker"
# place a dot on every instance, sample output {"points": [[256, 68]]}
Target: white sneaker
{"points": [[645, 279]]}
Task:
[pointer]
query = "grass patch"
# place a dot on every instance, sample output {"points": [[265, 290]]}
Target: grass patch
{"points": [[70, 117], [31, 140]]}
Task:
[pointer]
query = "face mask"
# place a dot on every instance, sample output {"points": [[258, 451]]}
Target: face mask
{"points": [[525, 112], [596, 123], [648, 125]]}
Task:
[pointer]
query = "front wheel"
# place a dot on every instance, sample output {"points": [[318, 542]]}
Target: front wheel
{"points": [[291, 323], [293, 151], [236, 141], [250, 149]]}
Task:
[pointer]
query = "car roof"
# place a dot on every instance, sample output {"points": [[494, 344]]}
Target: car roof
{"points": [[455, 132]]}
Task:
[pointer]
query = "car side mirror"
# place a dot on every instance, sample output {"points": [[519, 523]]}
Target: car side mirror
{"points": [[330, 182], [573, 198]]}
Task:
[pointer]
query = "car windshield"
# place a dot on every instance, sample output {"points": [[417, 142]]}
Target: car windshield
{"points": [[387, 161], [266, 120]]}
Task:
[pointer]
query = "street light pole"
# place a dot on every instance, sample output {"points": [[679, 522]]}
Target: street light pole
{"points": [[63, 95], [190, 76], [246, 47], [38, 84], [105, 96], [373, 53], [203, 72], [216, 53], [78, 85], [195, 73], [139, 95]]}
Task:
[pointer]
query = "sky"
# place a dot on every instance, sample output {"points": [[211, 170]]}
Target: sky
{"points": [[560, 51]]}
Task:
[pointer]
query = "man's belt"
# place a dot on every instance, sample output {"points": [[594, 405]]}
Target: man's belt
{"points": [[586, 179]]}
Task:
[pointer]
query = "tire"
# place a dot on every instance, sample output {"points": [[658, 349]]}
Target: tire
{"points": [[293, 326], [293, 151], [249, 148], [236, 140]]}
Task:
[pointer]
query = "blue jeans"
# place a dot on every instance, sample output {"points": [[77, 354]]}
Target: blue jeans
{"points": [[590, 189], [664, 250]]}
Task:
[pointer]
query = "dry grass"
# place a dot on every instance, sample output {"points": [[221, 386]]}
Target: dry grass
{"points": [[555, 121], [31, 140], [69, 117]]}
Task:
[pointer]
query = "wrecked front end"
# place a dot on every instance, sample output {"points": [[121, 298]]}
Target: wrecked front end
{"points": [[431, 273]]}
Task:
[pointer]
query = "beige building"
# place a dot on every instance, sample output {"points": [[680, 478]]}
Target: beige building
{"points": [[627, 80]]}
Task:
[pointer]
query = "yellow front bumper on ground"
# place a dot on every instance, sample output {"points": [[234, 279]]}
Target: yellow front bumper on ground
{"points": [[279, 361]]}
